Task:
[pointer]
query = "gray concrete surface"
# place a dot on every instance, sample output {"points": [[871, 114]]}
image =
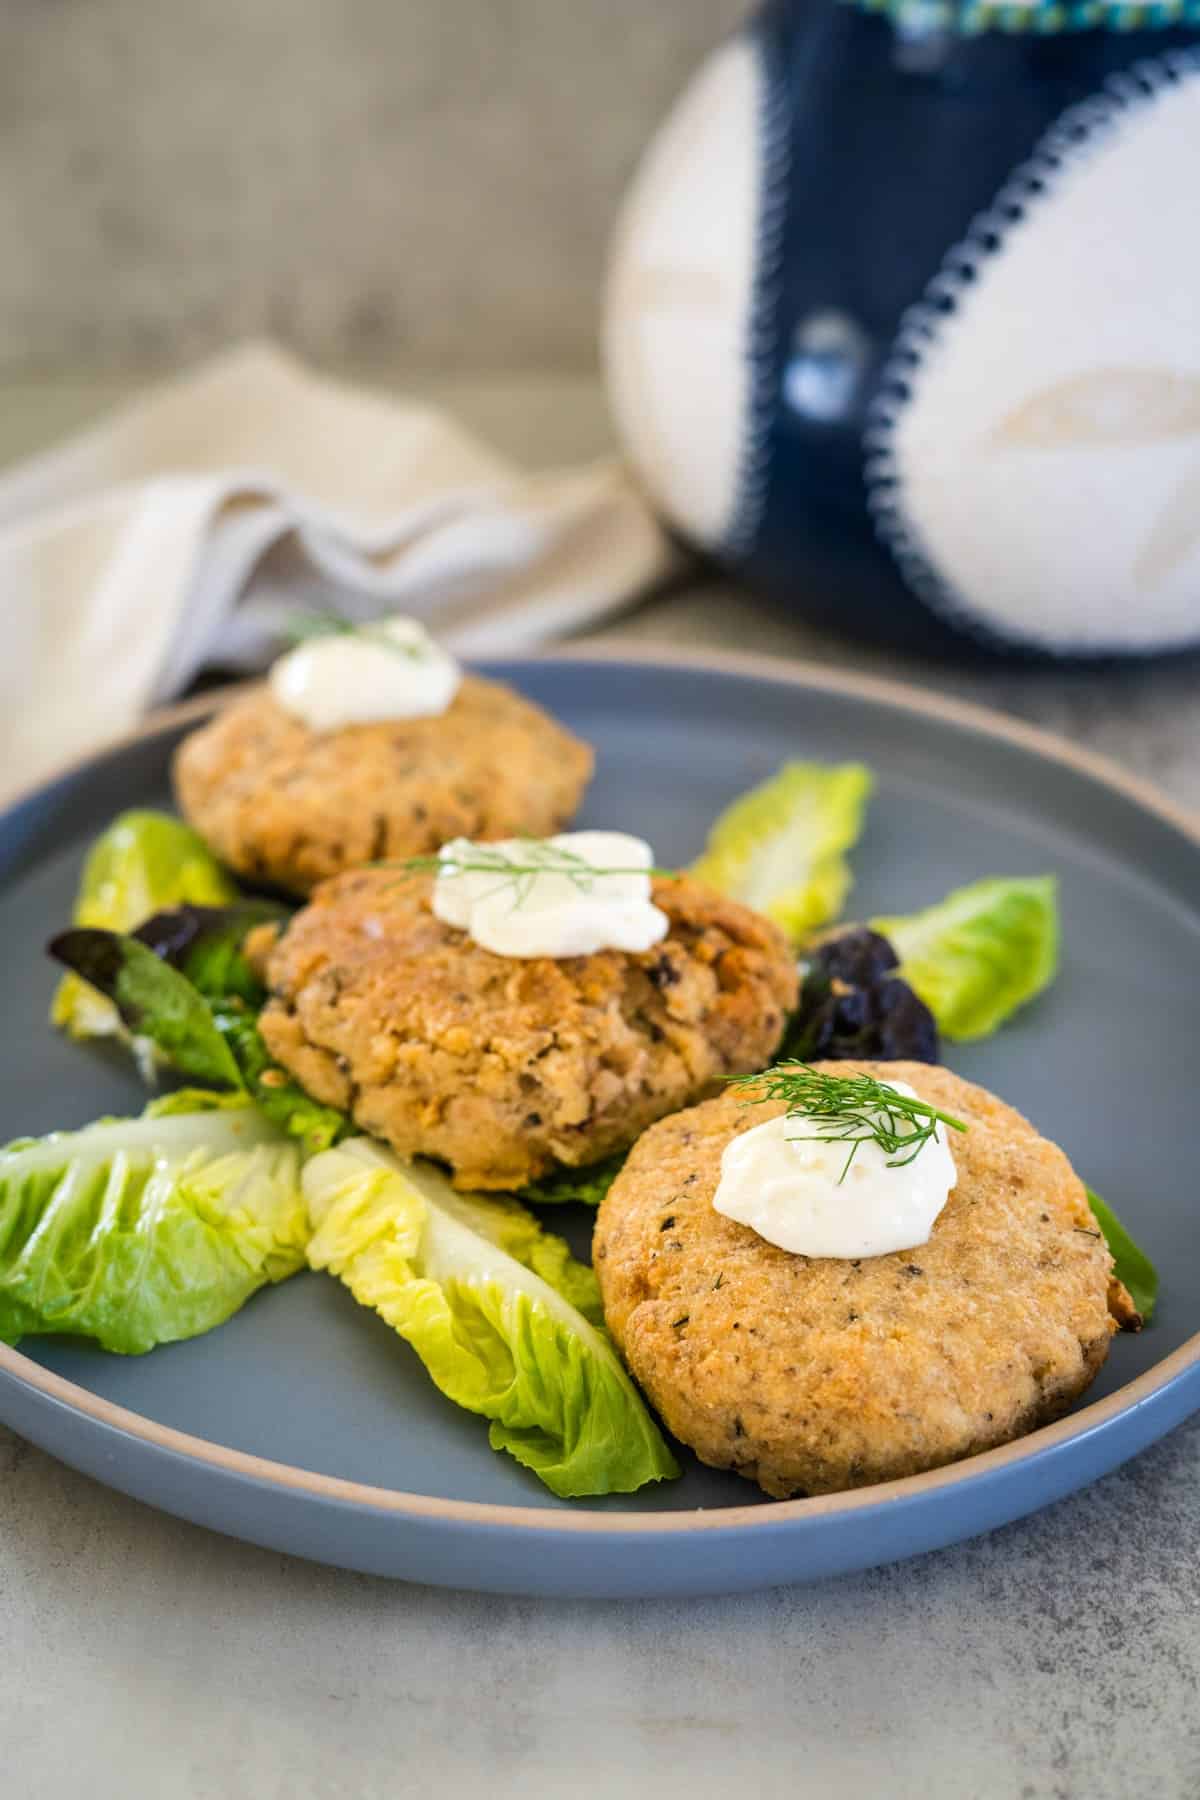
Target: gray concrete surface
{"points": [[1058, 1659], [148, 1660], [426, 179]]}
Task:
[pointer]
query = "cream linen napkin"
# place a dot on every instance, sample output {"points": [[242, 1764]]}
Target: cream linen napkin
{"points": [[184, 530]]}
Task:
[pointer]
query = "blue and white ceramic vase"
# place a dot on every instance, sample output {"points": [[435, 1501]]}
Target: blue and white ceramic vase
{"points": [[904, 319]]}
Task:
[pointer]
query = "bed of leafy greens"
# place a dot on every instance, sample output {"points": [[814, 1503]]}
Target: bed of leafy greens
{"points": [[136, 1232]]}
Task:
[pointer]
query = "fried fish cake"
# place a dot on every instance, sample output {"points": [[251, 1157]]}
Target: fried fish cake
{"points": [[809, 1375], [505, 1067], [281, 803]]}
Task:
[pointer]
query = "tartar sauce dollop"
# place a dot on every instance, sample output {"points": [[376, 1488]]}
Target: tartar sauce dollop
{"points": [[390, 669], [782, 1180], [569, 895]]}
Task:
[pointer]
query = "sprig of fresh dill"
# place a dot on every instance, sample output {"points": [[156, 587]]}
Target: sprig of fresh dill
{"points": [[538, 857], [301, 628], [850, 1109]]}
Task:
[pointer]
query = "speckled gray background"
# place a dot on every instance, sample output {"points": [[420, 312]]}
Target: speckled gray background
{"points": [[1054, 1660], [432, 180]]}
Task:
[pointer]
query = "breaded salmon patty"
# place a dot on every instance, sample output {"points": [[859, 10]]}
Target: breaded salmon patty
{"points": [[809, 1375], [279, 802], [505, 1067]]}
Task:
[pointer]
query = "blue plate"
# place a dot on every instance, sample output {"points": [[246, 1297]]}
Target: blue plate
{"points": [[305, 1425]]}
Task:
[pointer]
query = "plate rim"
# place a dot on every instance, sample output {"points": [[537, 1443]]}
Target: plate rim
{"points": [[900, 695]]}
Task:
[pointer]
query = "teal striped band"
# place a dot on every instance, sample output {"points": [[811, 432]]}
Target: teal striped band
{"points": [[968, 18]]}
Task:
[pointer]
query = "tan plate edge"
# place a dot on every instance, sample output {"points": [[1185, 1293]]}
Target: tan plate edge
{"points": [[330, 1487]]}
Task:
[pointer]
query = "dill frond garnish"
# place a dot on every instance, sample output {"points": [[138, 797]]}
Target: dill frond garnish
{"points": [[519, 869], [850, 1109], [302, 628]]}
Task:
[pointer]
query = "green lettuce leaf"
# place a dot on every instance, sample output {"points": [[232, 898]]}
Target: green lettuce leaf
{"points": [[272, 1089], [154, 1001], [136, 1232], [143, 862], [587, 1185], [504, 1222], [781, 847], [1131, 1266], [205, 944], [495, 1330], [980, 953], [215, 1041]]}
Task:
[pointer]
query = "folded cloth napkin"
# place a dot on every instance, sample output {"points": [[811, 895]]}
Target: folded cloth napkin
{"points": [[187, 528]]}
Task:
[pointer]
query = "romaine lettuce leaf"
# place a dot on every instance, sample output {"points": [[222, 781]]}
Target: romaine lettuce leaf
{"points": [[781, 847], [1131, 1266], [485, 1311], [980, 953], [504, 1222], [138, 1232], [143, 862]]}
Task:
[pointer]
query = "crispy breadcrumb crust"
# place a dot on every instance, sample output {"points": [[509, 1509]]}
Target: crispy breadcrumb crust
{"points": [[810, 1375], [505, 1067], [283, 804]]}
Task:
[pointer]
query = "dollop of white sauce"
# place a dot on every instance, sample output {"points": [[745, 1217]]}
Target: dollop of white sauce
{"points": [[567, 908], [390, 669], [783, 1181]]}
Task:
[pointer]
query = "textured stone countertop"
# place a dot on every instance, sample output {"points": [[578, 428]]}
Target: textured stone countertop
{"points": [[1059, 1657]]}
